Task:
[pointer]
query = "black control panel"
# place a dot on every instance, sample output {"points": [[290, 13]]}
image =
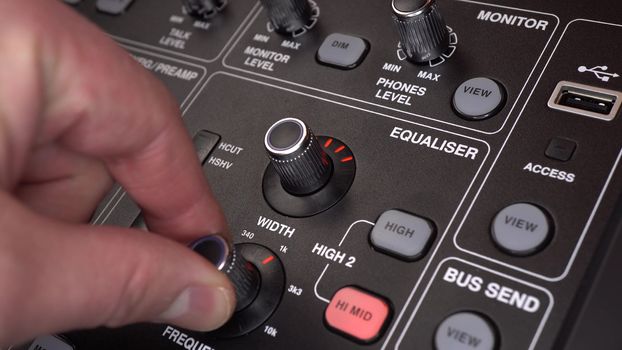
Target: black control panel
{"points": [[397, 174]]}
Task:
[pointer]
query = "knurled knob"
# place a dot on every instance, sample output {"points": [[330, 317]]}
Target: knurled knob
{"points": [[297, 157], [242, 274], [288, 16], [203, 9], [422, 29]]}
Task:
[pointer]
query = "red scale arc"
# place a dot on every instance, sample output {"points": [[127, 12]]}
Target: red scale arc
{"points": [[339, 149], [344, 168]]}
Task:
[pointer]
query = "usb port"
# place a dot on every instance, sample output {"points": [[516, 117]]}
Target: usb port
{"points": [[586, 100]]}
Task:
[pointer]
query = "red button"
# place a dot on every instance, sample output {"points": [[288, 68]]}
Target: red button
{"points": [[357, 314]]}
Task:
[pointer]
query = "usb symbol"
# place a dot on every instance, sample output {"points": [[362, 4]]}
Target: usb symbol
{"points": [[600, 72]]}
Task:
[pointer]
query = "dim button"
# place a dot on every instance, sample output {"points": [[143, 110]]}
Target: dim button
{"points": [[342, 51], [402, 235]]}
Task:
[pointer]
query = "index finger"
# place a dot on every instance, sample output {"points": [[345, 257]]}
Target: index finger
{"points": [[101, 103]]}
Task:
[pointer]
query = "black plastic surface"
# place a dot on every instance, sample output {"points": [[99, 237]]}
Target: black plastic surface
{"points": [[236, 77]]}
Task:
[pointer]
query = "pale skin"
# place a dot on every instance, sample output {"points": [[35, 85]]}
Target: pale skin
{"points": [[76, 113]]}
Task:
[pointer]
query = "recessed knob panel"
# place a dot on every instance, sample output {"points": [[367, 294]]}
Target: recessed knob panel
{"points": [[422, 30], [288, 16], [297, 157], [203, 9]]}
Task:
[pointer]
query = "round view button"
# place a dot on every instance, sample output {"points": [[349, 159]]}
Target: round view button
{"points": [[521, 229], [465, 331], [478, 98]]}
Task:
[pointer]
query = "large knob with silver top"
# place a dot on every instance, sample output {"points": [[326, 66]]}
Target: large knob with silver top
{"points": [[288, 16], [242, 274], [256, 273], [297, 157], [422, 30]]}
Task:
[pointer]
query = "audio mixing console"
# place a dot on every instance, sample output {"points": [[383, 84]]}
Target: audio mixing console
{"points": [[397, 174]]}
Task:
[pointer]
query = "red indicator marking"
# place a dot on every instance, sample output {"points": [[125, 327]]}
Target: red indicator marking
{"points": [[339, 149], [267, 260], [347, 159], [328, 143]]}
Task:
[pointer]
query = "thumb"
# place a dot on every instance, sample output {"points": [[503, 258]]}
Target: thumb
{"points": [[57, 277]]}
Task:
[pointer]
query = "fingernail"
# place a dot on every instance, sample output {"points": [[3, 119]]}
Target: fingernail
{"points": [[201, 308]]}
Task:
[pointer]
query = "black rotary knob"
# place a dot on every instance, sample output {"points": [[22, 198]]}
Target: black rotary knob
{"points": [[288, 16], [242, 274], [297, 157], [423, 33], [203, 9], [257, 275]]}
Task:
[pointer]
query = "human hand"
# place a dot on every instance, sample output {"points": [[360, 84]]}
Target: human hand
{"points": [[75, 112]]}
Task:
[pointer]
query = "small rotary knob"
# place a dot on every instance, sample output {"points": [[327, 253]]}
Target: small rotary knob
{"points": [[297, 157], [203, 9], [423, 33], [288, 16], [242, 274]]}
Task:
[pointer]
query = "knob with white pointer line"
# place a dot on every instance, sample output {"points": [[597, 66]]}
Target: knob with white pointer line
{"points": [[423, 33], [242, 274], [288, 16], [297, 156], [307, 173]]}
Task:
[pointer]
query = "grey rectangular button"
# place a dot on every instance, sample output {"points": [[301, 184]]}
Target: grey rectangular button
{"points": [[402, 235], [342, 51], [204, 142], [113, 7]]}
